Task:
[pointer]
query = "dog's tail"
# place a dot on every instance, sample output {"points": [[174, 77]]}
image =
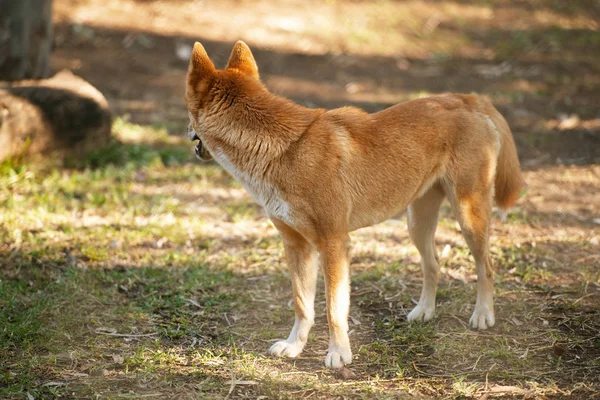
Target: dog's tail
{"points": [[508, 181]]}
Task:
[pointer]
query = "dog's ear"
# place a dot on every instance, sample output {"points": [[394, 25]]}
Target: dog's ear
{"points": [[200, 66], [241, 58]]}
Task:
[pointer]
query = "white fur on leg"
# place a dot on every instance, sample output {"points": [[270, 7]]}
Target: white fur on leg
{"points": [[426, 307], [337, 357], [286, 348], [422, 312], [483, 316], [339, 353], [294, 344], [421, 226]]}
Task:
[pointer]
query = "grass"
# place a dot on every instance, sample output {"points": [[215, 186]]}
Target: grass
{"points": [[138, 272], [143, 277]]}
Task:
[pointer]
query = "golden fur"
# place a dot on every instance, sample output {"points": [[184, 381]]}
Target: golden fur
{"points": [[323, 173]]}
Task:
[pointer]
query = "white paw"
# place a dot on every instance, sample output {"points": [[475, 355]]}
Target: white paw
{"points": [[338, 357], [421, 313], [482, 318], [284, 348]]}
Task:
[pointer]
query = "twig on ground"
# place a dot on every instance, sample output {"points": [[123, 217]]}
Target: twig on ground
{"points": [[101, 332]]}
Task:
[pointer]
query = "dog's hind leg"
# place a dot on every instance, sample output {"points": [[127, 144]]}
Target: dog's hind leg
{"points": [[302, 259], [422, 223], [473, 210]]}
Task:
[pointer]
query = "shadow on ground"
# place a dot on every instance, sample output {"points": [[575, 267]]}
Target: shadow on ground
{"points": [[541, 76]]}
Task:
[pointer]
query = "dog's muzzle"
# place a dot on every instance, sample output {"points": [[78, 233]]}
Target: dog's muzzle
{"points": [[201, 152], [192, 134]]}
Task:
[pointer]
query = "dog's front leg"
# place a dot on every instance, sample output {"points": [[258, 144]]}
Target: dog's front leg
{"points": [[334, 263], [302, 260]]}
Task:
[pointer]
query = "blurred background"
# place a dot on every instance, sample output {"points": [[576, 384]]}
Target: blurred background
{"points": [[131, 270], [537, 60]]}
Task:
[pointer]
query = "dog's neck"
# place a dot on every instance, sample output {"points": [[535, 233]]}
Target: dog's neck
{"points": [[254, 130], [247, 139]]}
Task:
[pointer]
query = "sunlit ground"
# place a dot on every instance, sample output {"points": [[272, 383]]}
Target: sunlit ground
{"points": [[161, 277], [144, 274]]}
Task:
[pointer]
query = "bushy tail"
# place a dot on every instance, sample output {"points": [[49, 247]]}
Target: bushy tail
{"points": [[508, 182]]}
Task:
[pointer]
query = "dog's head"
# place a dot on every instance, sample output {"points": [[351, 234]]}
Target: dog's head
{"points": [[209, 89]]}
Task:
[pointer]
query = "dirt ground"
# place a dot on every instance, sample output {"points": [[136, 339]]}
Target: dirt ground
{"points": [[163, 279], [534, 59]]}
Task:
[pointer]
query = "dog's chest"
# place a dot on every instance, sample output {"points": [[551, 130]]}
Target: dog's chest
{"points": [[263, 192]]}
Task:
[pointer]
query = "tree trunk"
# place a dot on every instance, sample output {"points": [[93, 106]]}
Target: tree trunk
{"points": [[25, 39]]}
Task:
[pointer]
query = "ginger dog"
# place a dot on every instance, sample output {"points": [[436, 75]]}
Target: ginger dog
{"points": [[320, 174]]}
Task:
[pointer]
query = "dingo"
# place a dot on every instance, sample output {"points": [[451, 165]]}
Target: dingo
{"points": [[320, 174]]}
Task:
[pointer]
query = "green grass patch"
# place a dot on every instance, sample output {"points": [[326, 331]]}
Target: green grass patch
{"points": [[138, 276]]}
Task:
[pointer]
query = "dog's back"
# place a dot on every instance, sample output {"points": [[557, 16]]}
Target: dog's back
{"points": [[388, 159]]}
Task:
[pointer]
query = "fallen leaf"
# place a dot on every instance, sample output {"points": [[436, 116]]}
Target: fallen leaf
{"points": [[193, 302], [347, 373], [568, 122], [99, 372], [64, 356], [559, 349], [524, 355], [106, 330], [118, 359], [237, 382], [446, 251], [53, 383], [506, 389]]}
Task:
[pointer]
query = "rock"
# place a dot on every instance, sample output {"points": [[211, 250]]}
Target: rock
{"points": [[63, 117]]}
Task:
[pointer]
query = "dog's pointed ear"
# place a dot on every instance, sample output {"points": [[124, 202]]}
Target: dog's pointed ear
{"points": [[241, 58], [200, 65]]}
